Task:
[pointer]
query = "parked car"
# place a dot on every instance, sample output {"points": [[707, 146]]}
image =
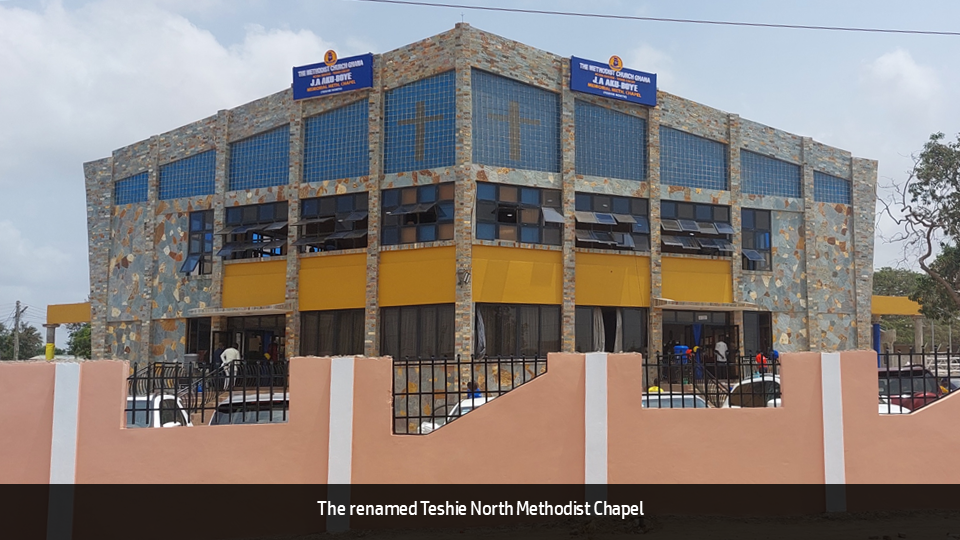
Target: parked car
{"points": [[251, 408], [159, 410], [888, 408], [458, 410], [666, 400], [911, 386], [760, 390]]}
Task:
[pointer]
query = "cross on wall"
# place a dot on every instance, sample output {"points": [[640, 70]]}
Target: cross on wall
{"points": [[419, 121], [514, 121]]}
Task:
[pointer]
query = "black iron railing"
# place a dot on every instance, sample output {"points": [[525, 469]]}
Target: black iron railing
{"points": [[429, 393], [682, 381], [911, 381], [166, 394]]}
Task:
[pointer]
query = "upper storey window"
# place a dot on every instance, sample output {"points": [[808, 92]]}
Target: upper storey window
{"points": [[691, 161], [189, 177], [695, 228], [130, 190], [607, 222], [260, 161], [333, 223], [520, 214], [830, 189], [610, 143], [762, 175], [336, 144], [417, 214], [255, 230], [514, 124], [420, 121]]}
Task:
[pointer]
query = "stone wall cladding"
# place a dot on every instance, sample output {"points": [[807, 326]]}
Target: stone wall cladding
{"points": [[813, 243], [692, 117], [769, 141]]}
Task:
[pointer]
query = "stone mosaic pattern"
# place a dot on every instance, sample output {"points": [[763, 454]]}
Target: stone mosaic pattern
{"points": [[820, 285]]}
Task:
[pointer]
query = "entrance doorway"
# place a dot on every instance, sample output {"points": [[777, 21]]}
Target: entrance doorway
{"points": [[257, 337]]}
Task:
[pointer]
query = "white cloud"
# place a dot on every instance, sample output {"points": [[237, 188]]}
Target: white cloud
{"points": [[903, 87], [652, 60]]}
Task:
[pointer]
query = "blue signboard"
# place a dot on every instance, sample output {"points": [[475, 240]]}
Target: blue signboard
{"points": [[333, 76], [613, 81]]}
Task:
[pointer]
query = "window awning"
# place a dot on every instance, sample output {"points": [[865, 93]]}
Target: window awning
{"points": [[724, 228], [586, 217], [310, 221], [273, 309], [550, 215], [753, 255], [666, 303]]}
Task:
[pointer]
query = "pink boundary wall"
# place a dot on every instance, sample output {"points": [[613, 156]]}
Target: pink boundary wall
{"points": [[533, 434]]}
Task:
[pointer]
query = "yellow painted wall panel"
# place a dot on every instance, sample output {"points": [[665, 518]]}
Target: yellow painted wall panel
{"points": [[68, 313], [260, 283], [333, 282], [697, 280], [418, 276], [613, 280], [517, 275], [882, 305]]}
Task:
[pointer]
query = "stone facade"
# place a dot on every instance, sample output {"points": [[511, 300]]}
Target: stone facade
{"points": [[818, 290]]}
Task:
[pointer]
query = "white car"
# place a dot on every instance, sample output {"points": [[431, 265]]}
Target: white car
{"points": [[159, 410], [887, 408], [459, 409], [666, 400], [760, 390], [244, 408]]}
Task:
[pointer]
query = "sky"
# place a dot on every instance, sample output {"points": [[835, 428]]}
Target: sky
{"points": [[79, 79]]}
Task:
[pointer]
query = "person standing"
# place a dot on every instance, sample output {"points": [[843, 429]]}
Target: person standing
{"points": [[228, 357], [720, 356]]}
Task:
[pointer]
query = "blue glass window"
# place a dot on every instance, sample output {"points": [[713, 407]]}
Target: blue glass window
{"points": [[762, 175], [260, 161], [514, 124], [200, 247], [519, 214], [755, 226], [830, 189], [130, 190], [691, 161], [336, 144], [610, 143], [189, 177], [417, 214], [333, 223], [609, 222], [420, 121]]}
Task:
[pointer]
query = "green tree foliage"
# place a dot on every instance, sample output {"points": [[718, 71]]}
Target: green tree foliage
{"points": [[31, 343], [78, 344], [927, 206]]}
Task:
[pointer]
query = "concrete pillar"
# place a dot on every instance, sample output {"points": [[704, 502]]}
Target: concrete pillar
{"points": [[51, 340], [918, 334]]}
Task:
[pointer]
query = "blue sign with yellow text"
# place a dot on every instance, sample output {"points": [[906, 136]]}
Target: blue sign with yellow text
{"points": [[613, 81], [333, 76]]}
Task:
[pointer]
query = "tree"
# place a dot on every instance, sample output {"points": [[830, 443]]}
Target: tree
{"points": [[927, 207], [31, 343], [78, 344]]}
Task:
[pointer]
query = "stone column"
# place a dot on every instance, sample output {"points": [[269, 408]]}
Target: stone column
{"points": [[149, 281], [292, 296], [655, 319], [465, 198], [371, 314], [814, 341], [863, 182], [568, 326], [99, 187], [219, 195], [736, 266]]}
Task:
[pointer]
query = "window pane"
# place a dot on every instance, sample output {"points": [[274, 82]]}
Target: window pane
{"points": [[549, 329], [584, 329], [668, 210], [327, 333], [390, 329], [428, 331], [508, 330], [529, 330], [508, 232], [486, 192], [445, 333], [508, 194], [486, 231], [408, 332], [308, 333], [530, 234]]}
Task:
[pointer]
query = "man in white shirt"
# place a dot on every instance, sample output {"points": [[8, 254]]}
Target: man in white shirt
{"points": [[720, 356], [228, 357]]}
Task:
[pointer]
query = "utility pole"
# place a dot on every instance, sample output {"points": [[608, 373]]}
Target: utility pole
{"points": [[16, 330]]}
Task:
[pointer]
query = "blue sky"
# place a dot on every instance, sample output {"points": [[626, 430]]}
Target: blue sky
{"points": [[81, 78]]}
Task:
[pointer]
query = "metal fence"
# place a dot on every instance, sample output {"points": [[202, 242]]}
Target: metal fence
{"points": [[682, 381], [167, 394], [429, 393], [910, 381]]}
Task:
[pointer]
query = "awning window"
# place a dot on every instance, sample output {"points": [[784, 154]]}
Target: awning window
{"points": [[550, 215], [754, 255], [670, 225]]}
